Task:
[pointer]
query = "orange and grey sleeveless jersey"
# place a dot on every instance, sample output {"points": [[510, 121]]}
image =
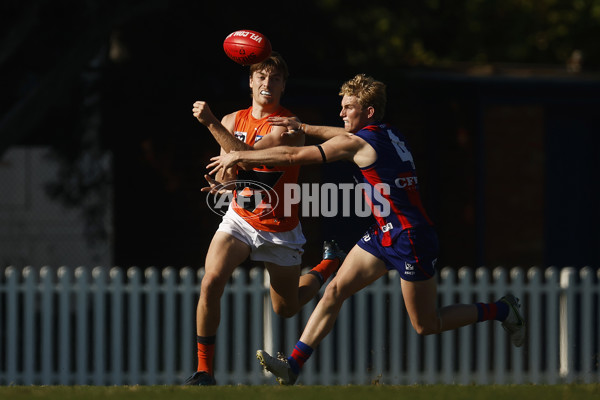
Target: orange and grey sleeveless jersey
{"points": [[259, 194]]}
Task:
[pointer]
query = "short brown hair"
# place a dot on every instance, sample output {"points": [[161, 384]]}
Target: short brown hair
{"points": [[368, 91], [273, 63]]}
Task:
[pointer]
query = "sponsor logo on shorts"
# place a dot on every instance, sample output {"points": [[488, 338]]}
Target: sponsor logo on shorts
{"points": [[409, 269]]}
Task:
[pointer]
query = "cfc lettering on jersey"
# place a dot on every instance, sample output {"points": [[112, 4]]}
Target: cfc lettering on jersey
{"points": [[406, 181], [240, 135]]}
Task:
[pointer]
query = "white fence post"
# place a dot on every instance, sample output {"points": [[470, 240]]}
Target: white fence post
{"points": [[152, 325], [535, 324], [134, 339], [12, 334], [446, 293], [99, 322], [258, 325], [465, 353], [82, 315], [553, 324], [567, 324], [169, 291], [65, 350], [189, 292], [47, 329], [518, 360], [29, 331], [586, 343], [117, 305]]}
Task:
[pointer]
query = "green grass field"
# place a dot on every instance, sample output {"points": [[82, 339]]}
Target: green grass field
{"points": [[414, 392]]}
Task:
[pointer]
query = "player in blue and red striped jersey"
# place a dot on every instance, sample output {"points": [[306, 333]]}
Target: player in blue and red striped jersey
{"points": [[403, 237]]}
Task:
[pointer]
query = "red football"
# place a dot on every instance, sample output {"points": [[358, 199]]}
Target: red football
{"points": [[247, 47]]}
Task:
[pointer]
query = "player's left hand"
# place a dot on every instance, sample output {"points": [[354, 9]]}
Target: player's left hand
{"points": [[222, 161]]}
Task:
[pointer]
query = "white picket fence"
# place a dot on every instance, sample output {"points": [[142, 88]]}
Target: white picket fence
{"points": [[111, 326]]}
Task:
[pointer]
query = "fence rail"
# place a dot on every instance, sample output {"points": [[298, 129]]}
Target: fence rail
{"points": [[114, 326]]}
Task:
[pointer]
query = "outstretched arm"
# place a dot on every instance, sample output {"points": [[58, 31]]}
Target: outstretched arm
{"points": [[280, 155], [294, 126], [341, 147]]}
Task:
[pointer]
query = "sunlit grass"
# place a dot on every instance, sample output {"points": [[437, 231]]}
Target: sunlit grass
{"points": [[347, 392]]}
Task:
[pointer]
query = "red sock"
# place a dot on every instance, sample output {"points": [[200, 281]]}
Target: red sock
{"points": [[325, 269], [206, 354]]}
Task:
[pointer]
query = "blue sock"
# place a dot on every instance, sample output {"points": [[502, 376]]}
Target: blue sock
{"points": [[497, 311], [502, 310]]}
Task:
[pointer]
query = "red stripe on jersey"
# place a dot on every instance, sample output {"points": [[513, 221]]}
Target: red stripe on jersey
{"points": [[373, 178], [414, 197]]}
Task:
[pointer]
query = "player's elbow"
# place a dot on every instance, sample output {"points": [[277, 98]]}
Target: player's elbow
{"points": [[291, 159], [298, 156]]}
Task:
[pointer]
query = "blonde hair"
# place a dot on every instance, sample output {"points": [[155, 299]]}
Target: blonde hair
{"points": [[368, 91], [273, 63]]}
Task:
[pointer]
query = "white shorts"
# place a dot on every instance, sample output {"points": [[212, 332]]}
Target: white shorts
{"points": [[281, 248]]}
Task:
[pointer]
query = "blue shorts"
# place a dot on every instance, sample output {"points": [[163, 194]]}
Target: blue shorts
{"points": [[413, 252]]}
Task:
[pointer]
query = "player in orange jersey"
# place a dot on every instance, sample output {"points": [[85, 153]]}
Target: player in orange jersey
{"points": [[254, 227]]}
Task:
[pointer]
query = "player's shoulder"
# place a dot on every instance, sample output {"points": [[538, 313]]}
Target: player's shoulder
{"points": [[230, 119]]}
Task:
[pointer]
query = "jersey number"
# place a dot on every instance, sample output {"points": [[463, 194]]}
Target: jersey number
{"points": [[401, 149]]}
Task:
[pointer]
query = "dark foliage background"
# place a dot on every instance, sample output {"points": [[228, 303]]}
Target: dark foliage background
{"points": [[92, 78]]}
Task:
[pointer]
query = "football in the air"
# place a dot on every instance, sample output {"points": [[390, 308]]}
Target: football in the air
{"points": [[247, 47]]}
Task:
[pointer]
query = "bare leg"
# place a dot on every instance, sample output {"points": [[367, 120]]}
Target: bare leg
{"points": [[420, 299], [289, 290], [224, 255], [359, 270]]}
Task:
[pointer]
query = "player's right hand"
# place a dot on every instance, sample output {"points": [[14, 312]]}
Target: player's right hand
{"points": [[292, 124], [202, 112], [215, 187]]}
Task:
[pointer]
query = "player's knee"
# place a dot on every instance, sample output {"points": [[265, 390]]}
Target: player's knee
{"points": [[334, 294], [285, 310], [426, 326], [212, 286], [423, 330]]}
